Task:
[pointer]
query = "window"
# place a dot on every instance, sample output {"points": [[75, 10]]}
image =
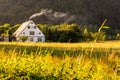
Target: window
{"points": [[34, 27], [31, 22], [39, 33], [32, 32], [31, 39], [28, 27], [39, 39]]}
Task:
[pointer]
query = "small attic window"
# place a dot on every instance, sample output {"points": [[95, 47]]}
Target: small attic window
{"points": [[31, 22], [39, 32], [34, 27], [28, 27]]}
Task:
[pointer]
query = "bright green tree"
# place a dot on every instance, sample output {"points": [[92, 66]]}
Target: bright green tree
{"points": [[23, 38]]}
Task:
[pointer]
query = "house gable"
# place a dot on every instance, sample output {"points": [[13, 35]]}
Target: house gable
{"points": [[31, 30], [21, 28]]}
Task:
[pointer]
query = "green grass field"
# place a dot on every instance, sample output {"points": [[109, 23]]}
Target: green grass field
{"points": [[60, 61]]}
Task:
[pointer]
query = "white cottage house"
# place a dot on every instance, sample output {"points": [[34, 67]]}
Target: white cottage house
{"points": [[30, 30]]}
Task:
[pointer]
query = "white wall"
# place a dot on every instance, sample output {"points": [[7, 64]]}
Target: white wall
{"points": [[36, 31], [35, 39]]}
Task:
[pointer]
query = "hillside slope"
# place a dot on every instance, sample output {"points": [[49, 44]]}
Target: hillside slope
{"points": [[82, 11]]}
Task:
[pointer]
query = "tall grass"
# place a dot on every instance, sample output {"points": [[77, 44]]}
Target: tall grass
{"points": [[40, 61], [100, 49]]}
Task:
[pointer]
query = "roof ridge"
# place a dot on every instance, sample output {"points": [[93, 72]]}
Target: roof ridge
{"points": [[21, 28]]}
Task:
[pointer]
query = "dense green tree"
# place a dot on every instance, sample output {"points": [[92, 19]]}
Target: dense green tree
{"points": [[4, 29], [98, 36], [86, 35], [23, 38], [62, 33]]}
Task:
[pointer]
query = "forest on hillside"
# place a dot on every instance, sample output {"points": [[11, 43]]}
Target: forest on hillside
{"points": [[83, 12]]}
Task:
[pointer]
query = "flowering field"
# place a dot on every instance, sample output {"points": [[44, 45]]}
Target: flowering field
{"points": [[55, 61]]}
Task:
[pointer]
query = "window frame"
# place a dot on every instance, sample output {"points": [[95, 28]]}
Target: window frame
{"points": [[28, 27], [39, 39], [23, 32], [35, 27], [31, 39], [31, 33]]}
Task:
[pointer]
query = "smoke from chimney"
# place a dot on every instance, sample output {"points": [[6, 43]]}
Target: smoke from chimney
{"points": [[57, 16], [49, 14]]}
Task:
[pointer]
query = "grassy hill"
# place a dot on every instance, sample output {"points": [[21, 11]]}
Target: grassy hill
{"points": [[83, 11]]}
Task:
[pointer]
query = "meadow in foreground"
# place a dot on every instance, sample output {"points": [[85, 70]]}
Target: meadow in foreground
{"points": [[23, 61]]}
